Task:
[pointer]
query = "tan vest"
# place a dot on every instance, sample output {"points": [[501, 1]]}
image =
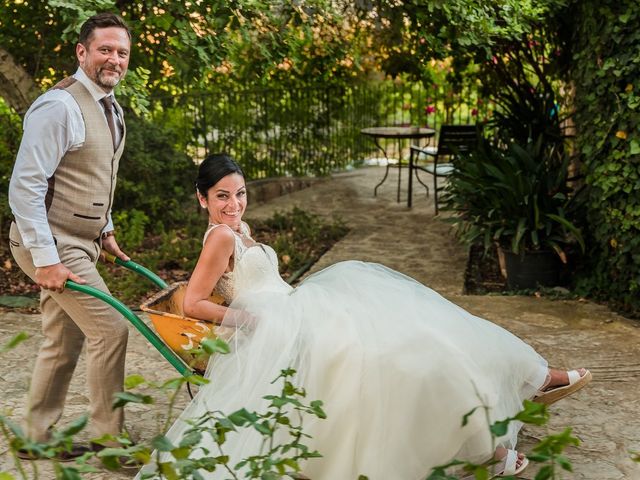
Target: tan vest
{"points": [[81, 190]]}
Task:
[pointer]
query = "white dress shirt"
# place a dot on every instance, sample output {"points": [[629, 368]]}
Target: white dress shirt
{"points": [[53, 125]]}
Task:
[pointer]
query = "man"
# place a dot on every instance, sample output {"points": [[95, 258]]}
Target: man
{"points": [[61, 192]]}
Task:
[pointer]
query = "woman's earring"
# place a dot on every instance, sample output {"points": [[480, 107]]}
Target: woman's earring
{"points": [[203, 205]]}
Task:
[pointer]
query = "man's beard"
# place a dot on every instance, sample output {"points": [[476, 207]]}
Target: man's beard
{"points": [[107, 81]]}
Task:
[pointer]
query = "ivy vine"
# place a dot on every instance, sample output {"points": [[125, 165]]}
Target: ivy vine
{"points": [[606, 75]]}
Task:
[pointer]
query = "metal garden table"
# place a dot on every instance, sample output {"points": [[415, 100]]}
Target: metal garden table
{"points": [[400, 134]]}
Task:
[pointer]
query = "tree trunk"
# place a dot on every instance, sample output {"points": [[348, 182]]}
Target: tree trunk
{"points": [[17, 87]]}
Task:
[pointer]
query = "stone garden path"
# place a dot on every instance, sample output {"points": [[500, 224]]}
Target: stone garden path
{"points": [[569, 333]]}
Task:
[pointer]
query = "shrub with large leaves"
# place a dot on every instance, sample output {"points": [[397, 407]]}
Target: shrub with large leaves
{"points": [[155, 182], [518, 197]]}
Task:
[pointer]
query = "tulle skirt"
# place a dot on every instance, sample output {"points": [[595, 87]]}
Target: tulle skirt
{"points": [[396, 365]]}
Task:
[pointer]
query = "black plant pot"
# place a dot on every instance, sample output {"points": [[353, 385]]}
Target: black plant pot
{"points": [[532, 269]]}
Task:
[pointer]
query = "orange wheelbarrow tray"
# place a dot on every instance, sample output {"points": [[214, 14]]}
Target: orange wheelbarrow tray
{"points": [[175, 335]]}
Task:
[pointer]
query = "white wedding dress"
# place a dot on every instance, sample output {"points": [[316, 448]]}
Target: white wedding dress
{"points": [[396, 365]]}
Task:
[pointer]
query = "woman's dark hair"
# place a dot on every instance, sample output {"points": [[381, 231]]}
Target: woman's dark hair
{"points": [[101, 20], [213, 169]]}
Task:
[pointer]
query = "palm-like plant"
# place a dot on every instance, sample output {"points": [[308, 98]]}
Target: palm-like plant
{"points": [[516, 197]]}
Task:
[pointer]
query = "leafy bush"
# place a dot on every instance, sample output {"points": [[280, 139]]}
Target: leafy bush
{"points": [[284, 411], [154, 179], [518, 198], [131, 226], [10, 133], [548, 452], [606, 75]]}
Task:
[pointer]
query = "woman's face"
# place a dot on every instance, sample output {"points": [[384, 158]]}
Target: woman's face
{"points": [[226, 201]]}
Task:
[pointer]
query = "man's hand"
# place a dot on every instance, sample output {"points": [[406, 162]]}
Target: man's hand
{"points": [[53, 277], [110, 245]]}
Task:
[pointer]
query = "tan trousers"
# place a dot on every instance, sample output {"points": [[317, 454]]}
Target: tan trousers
{"points": [[69, 319]]}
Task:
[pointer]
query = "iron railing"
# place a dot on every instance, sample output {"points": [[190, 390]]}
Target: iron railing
{"points": [[306, 131]]}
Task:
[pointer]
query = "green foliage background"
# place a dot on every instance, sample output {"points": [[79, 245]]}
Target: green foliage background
{"points": [[154, 178], [10, 134], [606, 75]]}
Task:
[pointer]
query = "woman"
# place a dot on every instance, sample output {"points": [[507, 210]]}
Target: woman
{"points": [[396, 365]]}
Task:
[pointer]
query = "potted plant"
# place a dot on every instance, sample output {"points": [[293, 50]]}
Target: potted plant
{"points": [[518, 198]]}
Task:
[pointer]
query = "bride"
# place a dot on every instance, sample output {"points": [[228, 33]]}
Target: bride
{"points": [[396, 365]]}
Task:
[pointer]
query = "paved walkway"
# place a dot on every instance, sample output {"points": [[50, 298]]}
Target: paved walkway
{"points": [[568, 333]]}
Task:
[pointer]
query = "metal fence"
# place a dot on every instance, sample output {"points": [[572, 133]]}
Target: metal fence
{"points": [[306, 131]]}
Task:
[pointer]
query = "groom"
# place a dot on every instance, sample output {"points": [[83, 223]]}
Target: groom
{"points": [[61, 192]]}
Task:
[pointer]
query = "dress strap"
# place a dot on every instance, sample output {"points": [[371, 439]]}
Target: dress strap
{"points": [[244, 228], [210, 229]]}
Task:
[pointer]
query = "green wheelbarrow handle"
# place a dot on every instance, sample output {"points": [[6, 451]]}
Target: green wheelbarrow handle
{"points": [[133, 266], [142, 327]]}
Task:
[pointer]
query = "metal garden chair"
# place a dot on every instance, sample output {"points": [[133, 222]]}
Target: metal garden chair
{"points": [[452, 141]]}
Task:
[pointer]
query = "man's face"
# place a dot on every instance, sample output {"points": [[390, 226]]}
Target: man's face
{"points": [[105, 58]]}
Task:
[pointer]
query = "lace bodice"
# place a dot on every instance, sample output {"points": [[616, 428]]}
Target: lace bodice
{"points": [[255, 267]]}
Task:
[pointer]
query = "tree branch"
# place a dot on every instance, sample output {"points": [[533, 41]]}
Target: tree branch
{"points": [[17, 87]]}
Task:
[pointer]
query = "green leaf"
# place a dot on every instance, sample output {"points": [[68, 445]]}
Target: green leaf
{"points": [[465, 418], [263, 427], [162, 443], [123, 398], [500, 428], [190, 439], [181, 453], [74, 427], [67, 473], [112, 452], [14, 342], [242, 417], [533, 413], [538, 457], [14, 427], [173, 383], [132, 381], [316, 408], [544, 473], [215, 345], [564, 463], [167, 469], [198, 380]]}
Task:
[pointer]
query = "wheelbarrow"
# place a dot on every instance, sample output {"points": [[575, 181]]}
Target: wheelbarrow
{"points": [[175, 335]]}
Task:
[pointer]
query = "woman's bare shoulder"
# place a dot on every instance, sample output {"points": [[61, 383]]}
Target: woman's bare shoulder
{"points": [[220, 236]]}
